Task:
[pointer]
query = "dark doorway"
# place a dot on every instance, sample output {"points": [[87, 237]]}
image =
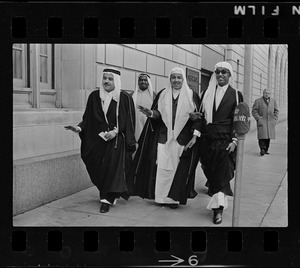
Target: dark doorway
{"points": [[205, 77]]}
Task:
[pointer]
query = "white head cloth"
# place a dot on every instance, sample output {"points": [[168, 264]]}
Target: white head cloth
{"points": [[115, 94], [208, 100], [117, 81], [150, 88], [184, 107]]}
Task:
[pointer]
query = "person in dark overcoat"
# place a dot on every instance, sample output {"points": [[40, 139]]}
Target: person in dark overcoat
{"points": [[265, 112]]}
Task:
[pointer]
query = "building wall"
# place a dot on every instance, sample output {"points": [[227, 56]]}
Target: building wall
{"points": [[260, 70], [47, 163], [235, 56], [40, 180], [46, 157]]}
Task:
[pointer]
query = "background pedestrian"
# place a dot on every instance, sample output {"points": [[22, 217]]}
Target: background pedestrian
{"points": [[265, 112]]}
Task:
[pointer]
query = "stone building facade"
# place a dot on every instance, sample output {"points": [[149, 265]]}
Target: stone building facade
{"points": [[51, 84]]}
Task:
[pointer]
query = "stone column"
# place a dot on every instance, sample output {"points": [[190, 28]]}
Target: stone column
{"points": [[248, 69]]}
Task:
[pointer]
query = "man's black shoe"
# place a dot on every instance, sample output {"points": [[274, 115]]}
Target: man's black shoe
{"points": [[104, 208], [262, 152], [217, 219]]}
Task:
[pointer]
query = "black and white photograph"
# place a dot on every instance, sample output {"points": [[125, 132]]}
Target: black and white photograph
{"points": [[150, 135]]}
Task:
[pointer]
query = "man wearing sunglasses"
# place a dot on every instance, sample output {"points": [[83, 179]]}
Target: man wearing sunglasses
{"points": [[219, 102]]}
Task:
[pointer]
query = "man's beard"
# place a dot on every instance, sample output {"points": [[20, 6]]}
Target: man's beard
{"points": [[143, 89]]}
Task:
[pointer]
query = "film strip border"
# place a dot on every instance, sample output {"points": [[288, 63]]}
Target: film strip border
{"points": [[127, 27], [146, 22], [142, 247], [150, 23]]}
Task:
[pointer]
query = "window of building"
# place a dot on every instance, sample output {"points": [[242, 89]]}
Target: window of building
{"points": [[20, 56], [281, 82], [237, 74], [46, 59], [270, 68], [260, 84], [276, 78], [34, 76]]}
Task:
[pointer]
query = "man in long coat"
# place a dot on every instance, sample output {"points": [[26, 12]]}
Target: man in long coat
{"points": [[142, 96], [265, 112], [219, 102], [166, 159], [107, 138]]}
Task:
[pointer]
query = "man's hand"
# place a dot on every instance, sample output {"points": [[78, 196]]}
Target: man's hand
{"points": [[75, 129], [231, 147], [195, 115], [110, 135], [191, 143], [145, 110]]}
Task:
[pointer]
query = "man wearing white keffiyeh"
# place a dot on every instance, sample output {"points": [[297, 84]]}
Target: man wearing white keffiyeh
{"points": [[107, 138], [143, 96], [165, 162], [219, 102]]}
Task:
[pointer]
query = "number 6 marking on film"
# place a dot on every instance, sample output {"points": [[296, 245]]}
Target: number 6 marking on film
{"points": [[193, 260]]}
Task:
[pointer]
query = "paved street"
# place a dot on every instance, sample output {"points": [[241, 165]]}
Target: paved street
{"points": [[263, 198]]}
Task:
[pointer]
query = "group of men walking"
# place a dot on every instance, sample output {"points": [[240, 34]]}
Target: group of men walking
{"points": [[149, 144]]}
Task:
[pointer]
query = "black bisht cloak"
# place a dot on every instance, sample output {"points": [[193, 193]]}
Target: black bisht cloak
{"points": [[143, 171], [108, 162], [217, 163]]}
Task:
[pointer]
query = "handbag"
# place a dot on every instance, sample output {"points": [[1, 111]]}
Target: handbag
{"points": [[241, 118]]}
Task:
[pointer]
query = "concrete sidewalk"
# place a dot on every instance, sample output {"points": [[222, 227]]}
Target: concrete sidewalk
{"points": [[263, 198]]}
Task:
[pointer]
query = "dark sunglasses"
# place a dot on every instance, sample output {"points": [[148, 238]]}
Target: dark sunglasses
{"points": [[221, 71]]}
